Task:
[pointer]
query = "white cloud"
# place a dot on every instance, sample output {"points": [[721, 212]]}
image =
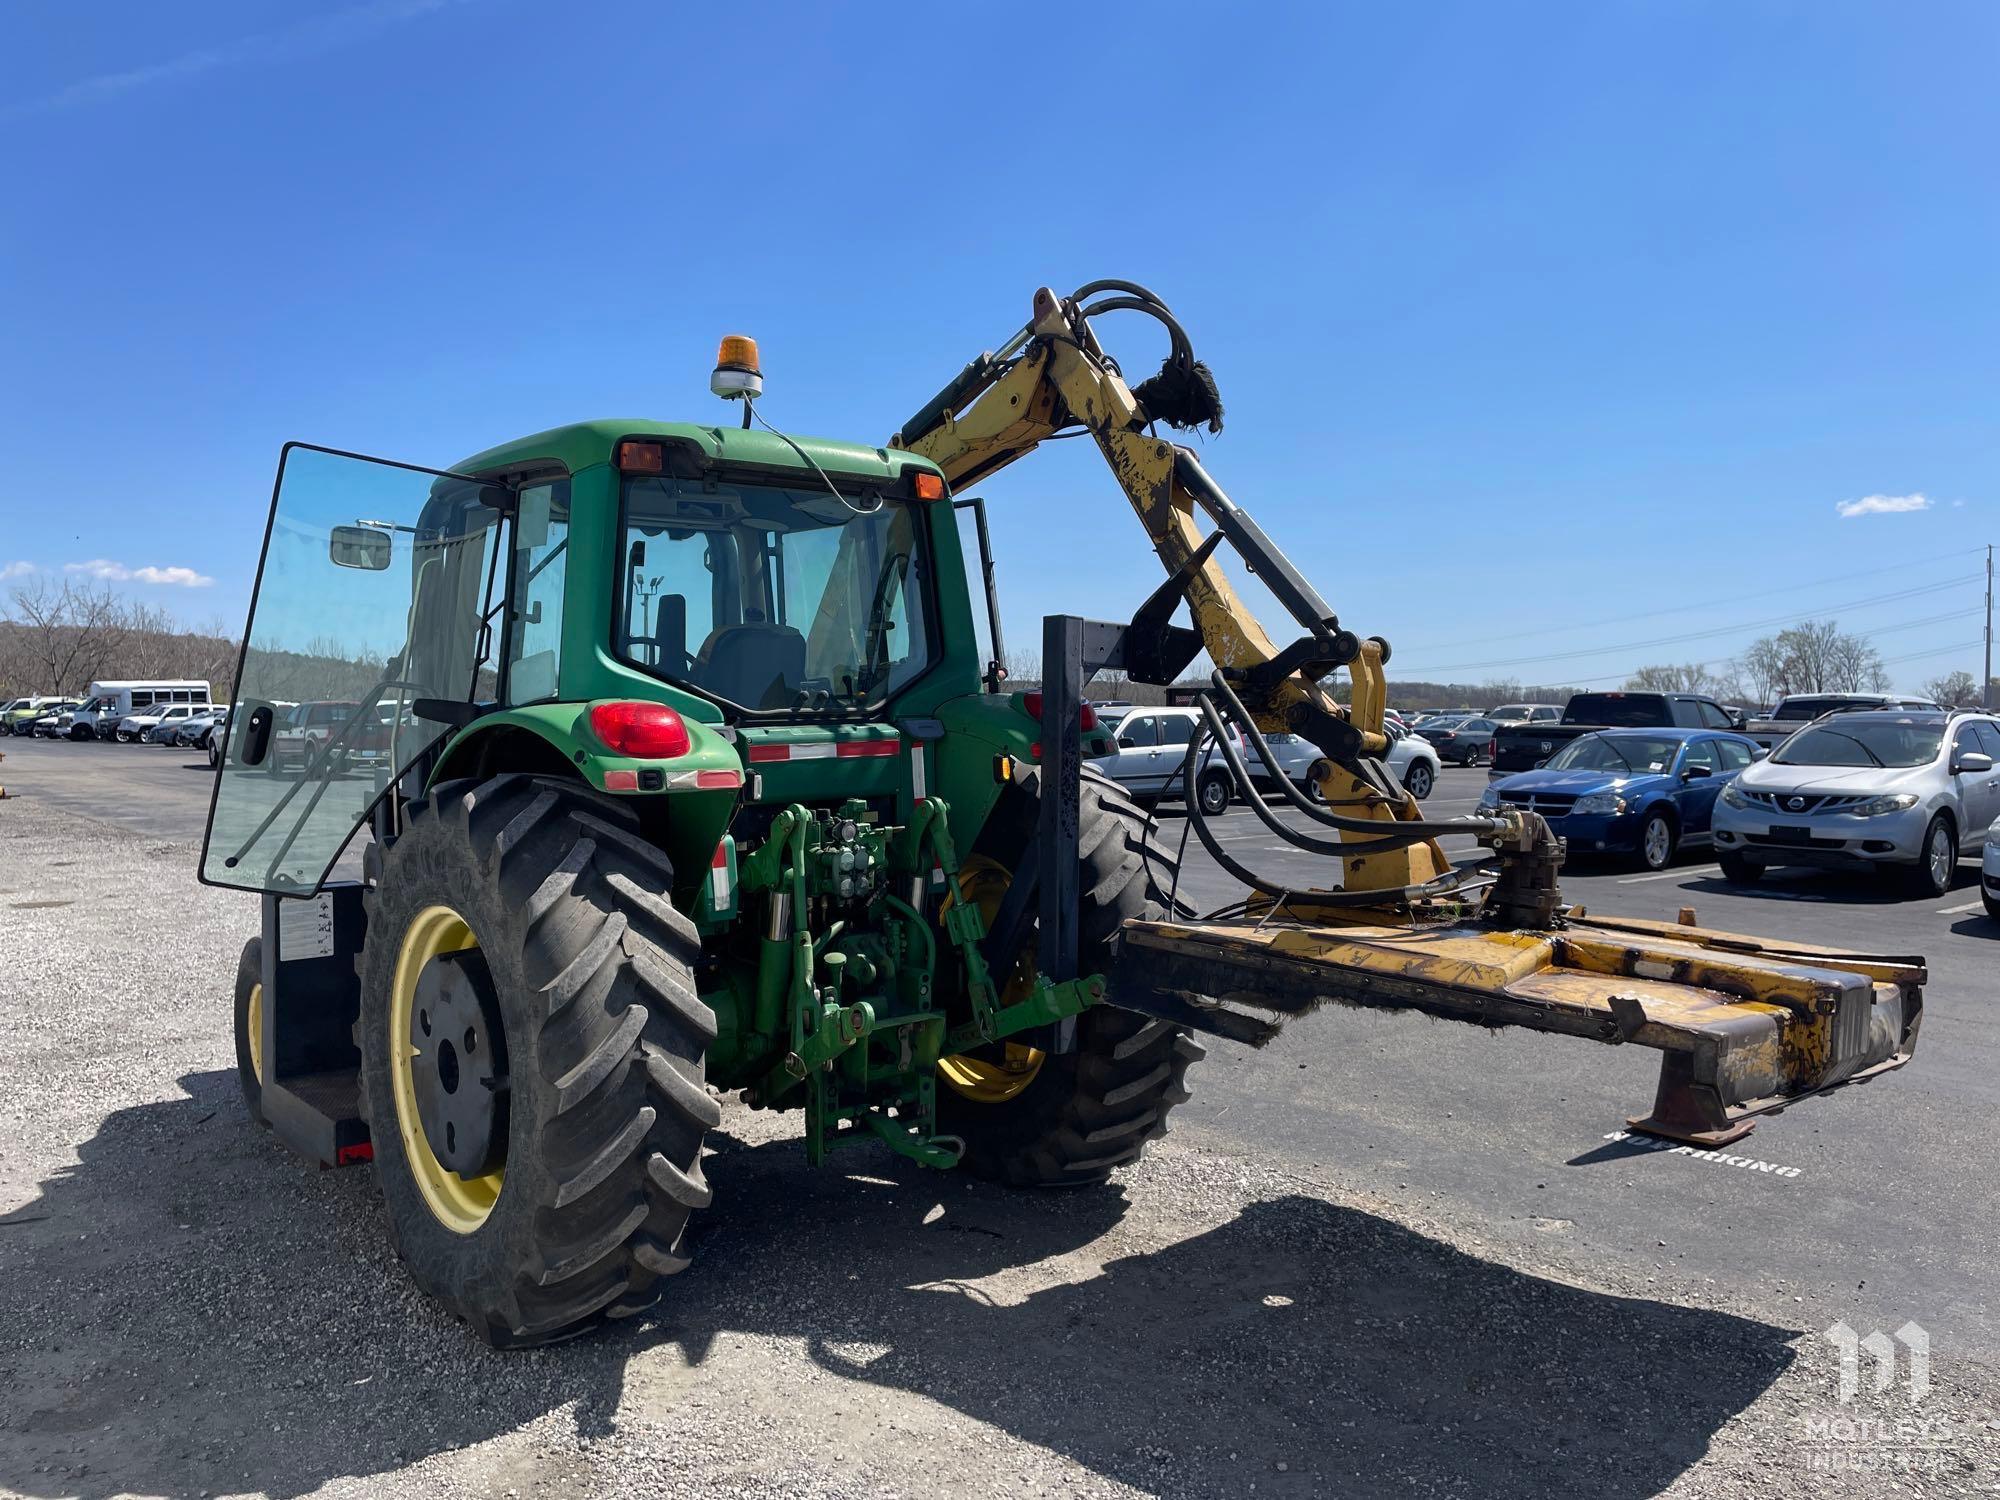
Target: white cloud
{"points": [[17, 570], [1882, 505], [107, 571], [307, 38]]}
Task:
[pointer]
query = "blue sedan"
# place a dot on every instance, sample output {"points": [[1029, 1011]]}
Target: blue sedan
{"points": [[1639, 793]]}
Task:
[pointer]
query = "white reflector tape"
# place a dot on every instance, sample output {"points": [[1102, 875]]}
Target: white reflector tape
{"points": [[719, 894], [917, 770]]}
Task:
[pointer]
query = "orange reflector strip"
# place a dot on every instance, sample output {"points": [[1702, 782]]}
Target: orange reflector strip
{"points": [[930, 487]]}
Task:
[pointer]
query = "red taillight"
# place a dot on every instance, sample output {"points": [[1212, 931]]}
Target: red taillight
{"points": [[1032, 702], [1492, 748], [644, 731]]}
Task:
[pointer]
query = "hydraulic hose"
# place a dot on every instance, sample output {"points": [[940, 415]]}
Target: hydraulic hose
{"points": [[1422, 827], [1277, 890], [1183, 350], [1387, 843]]}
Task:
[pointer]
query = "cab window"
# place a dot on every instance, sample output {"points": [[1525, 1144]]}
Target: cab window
{"points": [[1699, 754], [1735, 755], [540, 564]]}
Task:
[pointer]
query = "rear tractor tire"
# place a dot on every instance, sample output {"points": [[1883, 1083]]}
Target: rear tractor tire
{"points": [[250, 1028], [532, 1057], [1036, 1119]]}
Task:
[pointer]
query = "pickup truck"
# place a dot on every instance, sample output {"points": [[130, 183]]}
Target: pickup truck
{"points": [[1796, 710], [1522, 747]]}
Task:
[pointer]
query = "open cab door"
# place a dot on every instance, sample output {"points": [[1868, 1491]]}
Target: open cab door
{"points": [[375, 591]]}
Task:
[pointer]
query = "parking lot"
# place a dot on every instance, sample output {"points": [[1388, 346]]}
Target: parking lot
{"points": [[1413, 1256]]}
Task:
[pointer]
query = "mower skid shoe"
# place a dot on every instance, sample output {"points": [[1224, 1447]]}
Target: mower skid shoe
{"points": [[1746, 1027]]}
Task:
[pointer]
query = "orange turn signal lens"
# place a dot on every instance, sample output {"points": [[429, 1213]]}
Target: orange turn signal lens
{"points": [[929, 486], [642, 458]]}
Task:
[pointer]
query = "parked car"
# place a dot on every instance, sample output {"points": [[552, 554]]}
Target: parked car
{"points": [[44, 720], [302, 734], [1527, 713], [1412, 760], [18, 711], [1905, 791], [1641, 793], [1989, 871], [1151, 746], [145, 725], [1460, 740], [1796, 710], [1522, 747], [195, 729]]}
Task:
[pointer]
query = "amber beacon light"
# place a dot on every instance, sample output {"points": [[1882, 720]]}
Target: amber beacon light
{"points": [[737, 375]]}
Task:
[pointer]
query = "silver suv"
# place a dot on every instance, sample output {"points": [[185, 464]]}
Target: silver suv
{"points": [[1913, 791]]}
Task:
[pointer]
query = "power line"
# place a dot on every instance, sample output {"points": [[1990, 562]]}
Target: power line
{"points": [[1676, 609], [1695, 635]]}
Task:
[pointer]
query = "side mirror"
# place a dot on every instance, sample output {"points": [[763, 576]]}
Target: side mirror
{"points": [[639, 554], [1694, 771], [359, 547], [1125, 744], [1539, 764], [1972, 763], [1739, 722], [1760, 753]]}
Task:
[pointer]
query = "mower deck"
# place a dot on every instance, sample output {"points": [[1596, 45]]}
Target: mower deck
{"points": [[1747, 1027]]}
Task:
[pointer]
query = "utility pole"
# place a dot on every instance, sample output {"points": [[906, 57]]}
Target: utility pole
{"points": [[1986, 679]]}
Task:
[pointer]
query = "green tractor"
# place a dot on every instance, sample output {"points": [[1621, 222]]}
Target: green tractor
{"points": [[683, 774]]}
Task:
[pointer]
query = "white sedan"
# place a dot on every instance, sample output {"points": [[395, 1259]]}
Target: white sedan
{"points": [[1152, 743]]}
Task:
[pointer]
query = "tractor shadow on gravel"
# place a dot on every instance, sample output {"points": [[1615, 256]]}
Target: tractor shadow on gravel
{"points": [[189, 1309]]}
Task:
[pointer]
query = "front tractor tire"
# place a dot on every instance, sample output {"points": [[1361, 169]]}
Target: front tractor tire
{"points": [[1080, 1113], [532, 1057]]}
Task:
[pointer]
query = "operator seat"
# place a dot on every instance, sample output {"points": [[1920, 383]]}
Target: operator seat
{"points": [[757, 665]]}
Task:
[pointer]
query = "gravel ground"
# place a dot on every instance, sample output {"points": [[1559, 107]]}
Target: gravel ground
{"points": [[186, 1309]]}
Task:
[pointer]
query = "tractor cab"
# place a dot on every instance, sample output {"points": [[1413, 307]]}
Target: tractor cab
{"points": [[736, 586]]}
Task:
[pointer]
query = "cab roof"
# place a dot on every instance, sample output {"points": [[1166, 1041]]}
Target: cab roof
{"points": [[580, 445]]}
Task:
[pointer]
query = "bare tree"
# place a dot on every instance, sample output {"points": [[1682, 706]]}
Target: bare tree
{"points": [[1814, 656], [1958, 689], [1687, 677], [69, 631]]}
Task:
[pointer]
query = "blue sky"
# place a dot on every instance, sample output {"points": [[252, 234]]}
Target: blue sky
{"points": [[1553, 337]]}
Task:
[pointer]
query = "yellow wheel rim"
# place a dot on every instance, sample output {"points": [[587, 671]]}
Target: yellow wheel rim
{"points": [[254, 1023], [461, 1204], [985, 1080]]}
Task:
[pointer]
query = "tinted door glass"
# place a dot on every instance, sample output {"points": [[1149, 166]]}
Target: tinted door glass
{"points": [[541, 563], [1140, 731], [342, 634], [1989, 739], [1176, 731], [1700, 753]]}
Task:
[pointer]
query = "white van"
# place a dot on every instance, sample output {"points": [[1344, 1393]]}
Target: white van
{"points": [[108, 702]]}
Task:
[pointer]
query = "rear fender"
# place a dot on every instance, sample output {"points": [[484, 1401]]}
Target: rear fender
{"points": [[555, 739]]}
